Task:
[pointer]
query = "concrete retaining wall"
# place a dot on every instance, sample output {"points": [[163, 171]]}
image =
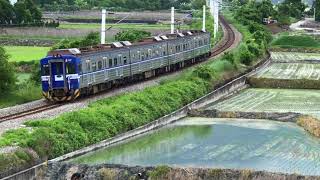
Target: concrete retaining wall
{"points": [[283, 117]]}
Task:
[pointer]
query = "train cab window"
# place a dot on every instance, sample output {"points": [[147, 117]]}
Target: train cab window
{"points": [[45, 70], [59, 70], [125, 60], [71, 68], [99, 65], [115, 61], [110, 63]]}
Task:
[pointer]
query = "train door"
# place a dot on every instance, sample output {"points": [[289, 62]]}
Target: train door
{"points": [[106, 67], [89, 75], [57, 74], [119, 70]]}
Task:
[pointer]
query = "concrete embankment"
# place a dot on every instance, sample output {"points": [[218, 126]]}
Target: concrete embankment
{"points": [[66, 171], [283, 117]]}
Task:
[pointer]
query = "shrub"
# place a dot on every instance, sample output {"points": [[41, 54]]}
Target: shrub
{"points": [[246, 57], [229, 57], [204, 72], [254, 49], [91, 39]]}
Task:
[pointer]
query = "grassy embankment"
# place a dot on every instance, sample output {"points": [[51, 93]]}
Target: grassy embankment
{"points": [[108, 117]]}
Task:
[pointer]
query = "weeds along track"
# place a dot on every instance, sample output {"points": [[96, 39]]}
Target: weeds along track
{"points": [[227, 41]]}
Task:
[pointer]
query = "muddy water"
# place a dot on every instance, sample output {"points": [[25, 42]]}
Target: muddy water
{"points": [[223, 143]]}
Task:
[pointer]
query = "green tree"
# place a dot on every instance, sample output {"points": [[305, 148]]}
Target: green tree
{"points": [[26, 11], [292, 8], [7, 75], [6, 12], [198, 4], [317, 6]]}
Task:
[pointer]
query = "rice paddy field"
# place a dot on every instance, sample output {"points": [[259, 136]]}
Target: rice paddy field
{"points": [[294, 56], [291, 71], [273, 100], [26, 53], [217, 143]]}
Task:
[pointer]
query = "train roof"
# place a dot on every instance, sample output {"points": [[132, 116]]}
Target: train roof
{"points": [[123, 44]]}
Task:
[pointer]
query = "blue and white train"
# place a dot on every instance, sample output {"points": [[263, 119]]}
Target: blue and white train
{"points": [[68, 73]]}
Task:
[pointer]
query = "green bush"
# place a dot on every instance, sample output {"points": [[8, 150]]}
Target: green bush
{"points": [[254, 49], [91, 39], [229, 57]]}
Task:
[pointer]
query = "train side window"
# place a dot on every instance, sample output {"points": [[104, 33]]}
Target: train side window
{"points": [[115, 61], [149, 53], [88, 65], [125, 60], [105, 61], [110, 63], [99, 65], [139, 55]]}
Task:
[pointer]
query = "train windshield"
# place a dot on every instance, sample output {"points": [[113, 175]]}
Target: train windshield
{"points": [[58, 70], [45, 70], [71, 68]]}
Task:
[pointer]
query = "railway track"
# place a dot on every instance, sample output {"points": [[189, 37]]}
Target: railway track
{"points": [[228, 41], [230, 38], [28, 112]]}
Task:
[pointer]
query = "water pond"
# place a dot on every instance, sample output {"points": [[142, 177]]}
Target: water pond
{"points": [[219, 143]]}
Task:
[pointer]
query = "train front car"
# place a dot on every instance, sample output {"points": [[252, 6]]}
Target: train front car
{"points": [[60, 75]]}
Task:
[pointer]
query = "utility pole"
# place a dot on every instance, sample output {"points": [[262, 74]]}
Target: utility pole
{"points": [[214, 7], [172, 20], [204, 19], [103, 26]]}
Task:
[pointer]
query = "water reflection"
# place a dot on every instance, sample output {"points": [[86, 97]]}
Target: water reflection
{"points": [[225, 143]]}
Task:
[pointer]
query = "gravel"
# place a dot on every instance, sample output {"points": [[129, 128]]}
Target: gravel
{"points": [[82, 103]]}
